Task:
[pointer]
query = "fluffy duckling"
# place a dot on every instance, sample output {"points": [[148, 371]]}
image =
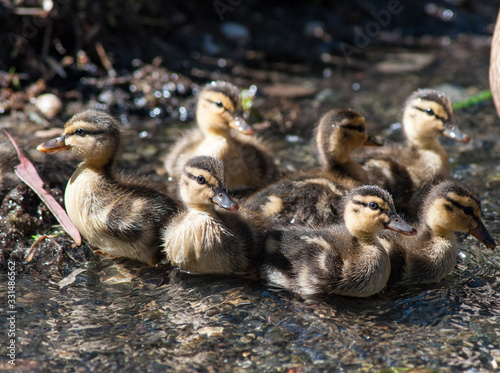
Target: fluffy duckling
{"points": [[225, 135], [121, 216], [408, 170], [206, 238], [311, 197], [432, 253], [344, 259], [8, 179]]}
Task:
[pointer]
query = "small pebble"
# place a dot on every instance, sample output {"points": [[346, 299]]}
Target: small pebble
{"points": [[49, 105]]}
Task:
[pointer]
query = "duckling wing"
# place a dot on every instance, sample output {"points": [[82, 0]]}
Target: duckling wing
{"points": [[259, 160], [388, 168], [303, 198], [306, 261]]}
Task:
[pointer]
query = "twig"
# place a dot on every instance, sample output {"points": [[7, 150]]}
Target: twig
{"points": [[105, 60], [31, 252]]}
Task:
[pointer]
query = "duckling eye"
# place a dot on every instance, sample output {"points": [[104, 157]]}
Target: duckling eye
{"points": [[201, 180], [80, 132], [360, 128], [219, 104], [468, 210], [429, 111], [373, 205]]}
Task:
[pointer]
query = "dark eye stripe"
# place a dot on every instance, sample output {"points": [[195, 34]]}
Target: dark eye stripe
{"points": [[194, 177], [359, 128], [219, 104], [82, 132], [368, 205], [466, 209], [198, 178], [442, 119]]}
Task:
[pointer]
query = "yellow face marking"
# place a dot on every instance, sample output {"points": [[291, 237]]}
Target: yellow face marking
{"points": [[432, 120], [212, 98], [362, 220], [448, 214], [466, 202], [438, 109], [353, 122], [71, 127], [209, 178], [366, 200], [343, 139], [215, 112]]}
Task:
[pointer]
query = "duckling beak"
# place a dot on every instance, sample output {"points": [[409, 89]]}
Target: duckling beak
{"points": [[240, 124], [372, 141], [222, 199], [397, 224], [482, 234], [53, 146], [453, 132]]}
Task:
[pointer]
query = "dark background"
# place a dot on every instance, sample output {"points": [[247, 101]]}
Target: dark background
{"points": [[187, 34]]}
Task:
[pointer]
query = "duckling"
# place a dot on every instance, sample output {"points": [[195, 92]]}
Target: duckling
{"points": [[247, 163], [408, 170], [205, 238], [311, 197], [8, 179], [432, 253], [344, 259], [120, 215]]}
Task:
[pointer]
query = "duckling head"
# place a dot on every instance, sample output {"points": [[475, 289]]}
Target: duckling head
{"points": [[340, 132], [368, 210], [450, 207], [92, 134], [428, 114], [219, 109], [202, 185]]}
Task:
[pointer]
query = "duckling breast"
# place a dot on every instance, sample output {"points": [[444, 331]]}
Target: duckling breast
{"points": [[198, 242]]}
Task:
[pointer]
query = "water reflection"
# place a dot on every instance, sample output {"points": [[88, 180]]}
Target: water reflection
{"points": [[167, 319]]}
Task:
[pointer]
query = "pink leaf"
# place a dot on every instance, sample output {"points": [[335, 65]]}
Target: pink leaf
{"points": [[28, 174]]}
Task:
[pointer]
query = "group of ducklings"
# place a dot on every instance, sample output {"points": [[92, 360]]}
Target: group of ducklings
{"points": [[331, 230]]}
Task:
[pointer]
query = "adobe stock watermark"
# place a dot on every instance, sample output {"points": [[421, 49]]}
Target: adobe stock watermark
{"points": [[372, 29], [223, 6], [11, 313]]}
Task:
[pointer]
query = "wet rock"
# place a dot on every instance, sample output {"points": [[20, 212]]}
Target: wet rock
{"points": [[314, 29], [236, 32], [209, 46], [328, 95], [454, 92], [405, 62], [49, 104], [289, 90]]}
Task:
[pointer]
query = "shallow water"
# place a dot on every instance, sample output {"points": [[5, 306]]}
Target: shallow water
{"points": [[113, 319]]}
